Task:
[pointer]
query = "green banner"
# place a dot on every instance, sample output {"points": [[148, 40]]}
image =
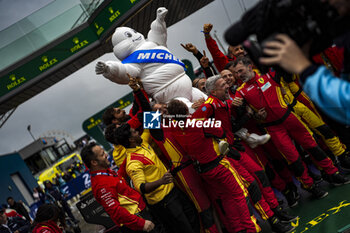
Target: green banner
{"points": [[94, 127], [189, 69], [47, 60], [81, 40], [110, 14]]}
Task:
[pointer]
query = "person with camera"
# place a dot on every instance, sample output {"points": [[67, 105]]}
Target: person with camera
{"points": [[313, 25]]}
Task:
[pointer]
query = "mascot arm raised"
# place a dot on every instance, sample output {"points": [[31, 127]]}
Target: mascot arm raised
{"points": [[158, 32], [117, 71]]}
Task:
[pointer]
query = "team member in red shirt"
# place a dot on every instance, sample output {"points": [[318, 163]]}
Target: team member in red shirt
{"points": [[227, 188], [220, 59], [124, 205], [47, 219], [263, 93], [219, 107]]}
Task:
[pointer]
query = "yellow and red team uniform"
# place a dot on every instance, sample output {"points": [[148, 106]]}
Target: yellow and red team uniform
{"points": [[225, 184], [252, 173], [313, 120], [186, 176], [143, 166], [282, 124], [121, 202]]}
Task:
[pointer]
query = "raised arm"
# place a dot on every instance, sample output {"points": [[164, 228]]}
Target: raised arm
{"points": [[220, 59], [158, 32], [117, 71]]}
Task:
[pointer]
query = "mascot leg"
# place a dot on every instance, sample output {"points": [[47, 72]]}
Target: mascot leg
{"points": [[182, 87]]}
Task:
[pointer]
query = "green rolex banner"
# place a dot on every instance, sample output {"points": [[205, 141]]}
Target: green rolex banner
{"points": [[94, 127]]}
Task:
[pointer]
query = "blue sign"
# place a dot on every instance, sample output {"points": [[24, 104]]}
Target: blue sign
{"points": [[151, 120], [76, 186]]}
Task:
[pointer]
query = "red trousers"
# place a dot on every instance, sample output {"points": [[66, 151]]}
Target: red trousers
{"points": [[191, 183], [226, 185], [257, 171], [249, 181], [293, 128]]}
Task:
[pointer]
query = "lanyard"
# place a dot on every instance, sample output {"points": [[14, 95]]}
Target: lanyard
{"points": [[102, 174]]}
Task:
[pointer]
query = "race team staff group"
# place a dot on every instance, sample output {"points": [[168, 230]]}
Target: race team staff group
{"points": [[192, 179]]}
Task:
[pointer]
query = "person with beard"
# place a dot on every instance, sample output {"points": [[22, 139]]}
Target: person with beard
{"points": [[117, 116], [151, 178], [262, 92], [124, 205], [220, 59]]}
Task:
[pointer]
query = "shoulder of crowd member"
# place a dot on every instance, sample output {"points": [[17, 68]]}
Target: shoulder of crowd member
{"points": [[205, 110], [134, 168], [119, 154], [241, 87]]}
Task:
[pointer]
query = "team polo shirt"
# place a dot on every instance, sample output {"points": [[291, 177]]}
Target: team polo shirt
{"points": [[144, 166]]}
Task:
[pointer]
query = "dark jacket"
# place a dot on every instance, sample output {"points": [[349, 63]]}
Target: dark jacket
{"points": [[21, 210], [16, 223]]}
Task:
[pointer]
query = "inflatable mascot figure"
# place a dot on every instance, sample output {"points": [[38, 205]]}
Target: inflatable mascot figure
{"points": [[162, 74]]}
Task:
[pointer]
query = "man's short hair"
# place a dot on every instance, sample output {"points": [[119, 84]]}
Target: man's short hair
{"points": [[228, 65], [49, 212], [242, 60], [210, 85], [108, 116], [122, 135], [9, 198], [196, 81], [87, 154], [109, 134], [177, 108]]}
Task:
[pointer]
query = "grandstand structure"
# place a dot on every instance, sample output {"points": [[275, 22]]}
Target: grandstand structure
{"points": [[44, 48]]}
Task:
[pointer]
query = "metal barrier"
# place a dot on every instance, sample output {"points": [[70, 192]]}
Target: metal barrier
{"points": [[94, 213]]}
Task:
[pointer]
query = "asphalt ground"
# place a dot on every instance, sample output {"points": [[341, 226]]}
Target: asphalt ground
{"points": [[327, 215]]}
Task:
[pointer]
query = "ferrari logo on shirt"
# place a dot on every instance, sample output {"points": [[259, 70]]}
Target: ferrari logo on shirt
{"points": [[261, 80]]}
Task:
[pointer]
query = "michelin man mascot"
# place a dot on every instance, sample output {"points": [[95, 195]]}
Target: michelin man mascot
{"points": [[162, 74]]}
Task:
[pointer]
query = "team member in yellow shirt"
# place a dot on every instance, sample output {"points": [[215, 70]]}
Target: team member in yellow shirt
{"points": [[151, 178]]}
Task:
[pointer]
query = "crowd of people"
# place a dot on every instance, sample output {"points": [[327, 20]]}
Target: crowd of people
{"points": [[50, 216], [51, 203], [49, 219], [187, 177]]}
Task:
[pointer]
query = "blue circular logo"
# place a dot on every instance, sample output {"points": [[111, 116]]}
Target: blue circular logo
{"points": [[204, 108]]}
